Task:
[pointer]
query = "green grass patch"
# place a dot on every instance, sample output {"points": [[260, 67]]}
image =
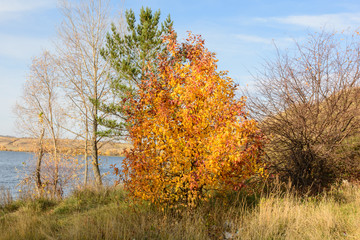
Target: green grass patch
{"points": [[109, 214]]}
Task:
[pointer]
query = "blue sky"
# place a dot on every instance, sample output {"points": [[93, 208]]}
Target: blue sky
{"points": [[240, 32]]}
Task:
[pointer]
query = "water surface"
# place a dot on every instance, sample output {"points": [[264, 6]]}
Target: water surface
{"points": [[12, 166]]}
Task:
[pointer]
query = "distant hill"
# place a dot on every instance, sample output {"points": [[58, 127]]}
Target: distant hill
{"points": [[7, 136], [8, 143]]}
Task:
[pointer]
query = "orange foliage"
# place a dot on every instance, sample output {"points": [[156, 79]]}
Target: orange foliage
{"points": [[190, 134]]}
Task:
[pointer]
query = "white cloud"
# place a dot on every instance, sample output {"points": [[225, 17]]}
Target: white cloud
{"points": [[339, 21], [12, 6], [282, 42], [252, 38]]}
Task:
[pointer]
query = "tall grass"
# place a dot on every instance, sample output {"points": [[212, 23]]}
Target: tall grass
{"points": [[5, 196], [332, 216], [109, 214]]}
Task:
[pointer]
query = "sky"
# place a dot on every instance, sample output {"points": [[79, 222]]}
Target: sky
{"points": [[242, 33]]}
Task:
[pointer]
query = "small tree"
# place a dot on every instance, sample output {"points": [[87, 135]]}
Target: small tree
{"points": [[307, 101], [40, 116], [190, 135]]}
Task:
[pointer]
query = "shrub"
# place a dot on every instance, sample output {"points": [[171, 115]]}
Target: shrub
{"points": [[190, 135], [307, 101]]}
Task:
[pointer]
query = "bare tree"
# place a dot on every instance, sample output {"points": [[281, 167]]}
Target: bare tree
{"points": [[306, 100], [85, 73], [40, 115]]}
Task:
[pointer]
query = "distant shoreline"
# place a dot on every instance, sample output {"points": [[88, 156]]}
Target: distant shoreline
{"points": [[13, 144]]}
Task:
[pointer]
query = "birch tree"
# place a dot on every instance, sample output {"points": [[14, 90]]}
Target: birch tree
{"points": [[85, 73], [40, 115]]}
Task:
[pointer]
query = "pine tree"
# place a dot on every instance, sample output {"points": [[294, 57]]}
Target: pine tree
{"points": [[129, 54]]}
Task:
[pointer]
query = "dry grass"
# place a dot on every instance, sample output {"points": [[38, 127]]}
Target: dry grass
{"points": [[332, 216], [108, 214], [5, 196]]}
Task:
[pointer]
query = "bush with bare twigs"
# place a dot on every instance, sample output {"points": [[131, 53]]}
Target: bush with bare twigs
{"points": [[307, 100]]}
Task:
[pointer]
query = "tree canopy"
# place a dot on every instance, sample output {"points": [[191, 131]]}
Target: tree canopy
{"points": [[129, 53], [190, 135]]}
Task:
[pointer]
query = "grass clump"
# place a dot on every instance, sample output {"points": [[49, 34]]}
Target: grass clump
{"points": [[109, 214], [85, 199]]}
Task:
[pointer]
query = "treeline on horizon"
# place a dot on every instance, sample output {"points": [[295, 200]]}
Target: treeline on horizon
{"points": [[191, 137]]}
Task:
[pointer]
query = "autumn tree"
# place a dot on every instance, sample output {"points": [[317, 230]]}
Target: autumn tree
{"points": [[307, 101], [84, 72], [190, 135], [128, 52], [40, 116]]}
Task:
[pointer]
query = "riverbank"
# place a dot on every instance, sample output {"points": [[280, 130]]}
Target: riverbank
{"points": [[14, 144], [109, 214]]}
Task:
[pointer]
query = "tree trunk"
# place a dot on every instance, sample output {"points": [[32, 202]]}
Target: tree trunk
{"points": [[40, 154], [86, 162], [94, 155], [57, 191], [86, 150]]}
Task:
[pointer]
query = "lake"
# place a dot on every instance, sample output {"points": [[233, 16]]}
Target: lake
{"points": [[12, 162]]}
